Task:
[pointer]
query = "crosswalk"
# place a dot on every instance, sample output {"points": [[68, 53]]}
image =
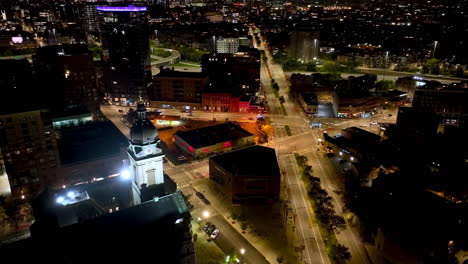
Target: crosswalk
{"points": [[180, 187]]}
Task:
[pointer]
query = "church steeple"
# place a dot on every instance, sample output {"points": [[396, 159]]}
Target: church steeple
{"points": [[146, 158]]}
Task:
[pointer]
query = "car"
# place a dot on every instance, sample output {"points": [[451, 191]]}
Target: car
{"points": [[200, 195], [373, 123], [206, 226], [211, 229], [215, 233]]}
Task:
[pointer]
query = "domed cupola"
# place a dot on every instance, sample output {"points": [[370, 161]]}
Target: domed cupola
{"points": [[143, 132]]}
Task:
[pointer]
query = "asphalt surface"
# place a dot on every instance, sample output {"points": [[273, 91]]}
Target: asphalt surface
{"points": [[229, 240]]}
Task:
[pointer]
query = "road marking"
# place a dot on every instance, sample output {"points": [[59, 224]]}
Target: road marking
{"points": [[294, 165], [183, 186]]}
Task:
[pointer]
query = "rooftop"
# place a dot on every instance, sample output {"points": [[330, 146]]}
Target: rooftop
{"points": [[168, 73], [93, 140], [310, 98], [255, 160], [129, 8], [208, 136]]}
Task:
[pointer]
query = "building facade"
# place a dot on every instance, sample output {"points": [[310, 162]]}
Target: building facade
{"points": [[68, 72], [247, 175], [30, 152], [305, 43], [125, 38], [227, 45], [180, 87], [450, 103]]}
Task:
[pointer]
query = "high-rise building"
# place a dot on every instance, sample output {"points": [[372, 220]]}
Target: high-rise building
{"points": [[29, 150], [125, 40], [227, 45], [237, 73], [305, 43], [68, 72], [91, 18], [450, 102]]}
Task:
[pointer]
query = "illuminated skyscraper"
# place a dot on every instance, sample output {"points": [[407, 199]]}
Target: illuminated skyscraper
{"points": [[126, 49], [305, 43]]}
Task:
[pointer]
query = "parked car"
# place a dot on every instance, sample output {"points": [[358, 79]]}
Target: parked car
{"points": [[211, 229], [206, 226], [214, 234]]}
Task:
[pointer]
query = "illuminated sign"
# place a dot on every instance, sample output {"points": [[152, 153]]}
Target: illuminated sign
{"points": [[121, 8], [227, 144], [17, 40]]}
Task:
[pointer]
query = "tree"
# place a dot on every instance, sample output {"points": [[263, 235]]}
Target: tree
{"points": [[459, 72], [339, 253], [311, 66], [244, 226], [280, 259], [384, 85], [436, 70], [337, 222], [425, 69], [330, 66]]}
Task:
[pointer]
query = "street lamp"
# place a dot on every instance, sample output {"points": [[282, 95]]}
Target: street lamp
{"points": [[435, 46], [206, 214], [242, 251]]}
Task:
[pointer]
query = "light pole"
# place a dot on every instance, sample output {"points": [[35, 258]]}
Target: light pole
{"points": [[435, 46]]}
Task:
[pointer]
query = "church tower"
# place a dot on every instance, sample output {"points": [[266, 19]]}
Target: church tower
{"points": [[145, 156]]}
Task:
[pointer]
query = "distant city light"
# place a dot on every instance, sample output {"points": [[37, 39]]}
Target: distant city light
{"points": [[121, 8]]}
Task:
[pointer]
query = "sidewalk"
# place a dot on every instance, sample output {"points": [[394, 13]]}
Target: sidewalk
{"points": [[254, 237]]}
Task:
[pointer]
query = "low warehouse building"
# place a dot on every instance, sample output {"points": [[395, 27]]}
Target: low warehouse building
{"points": [[207, 141]]}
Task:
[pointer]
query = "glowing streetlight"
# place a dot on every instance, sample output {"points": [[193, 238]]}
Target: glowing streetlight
{"points": [[60, 199], [125, 174], [206, 214], [242, 251]]}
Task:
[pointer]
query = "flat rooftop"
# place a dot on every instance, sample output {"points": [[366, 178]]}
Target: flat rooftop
{"points": [[207, 136], [310, 98], [166, 73], [253, 161]]}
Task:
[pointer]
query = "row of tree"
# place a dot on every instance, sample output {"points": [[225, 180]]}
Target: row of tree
{"points": [[434, 66], [324, 211]]}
